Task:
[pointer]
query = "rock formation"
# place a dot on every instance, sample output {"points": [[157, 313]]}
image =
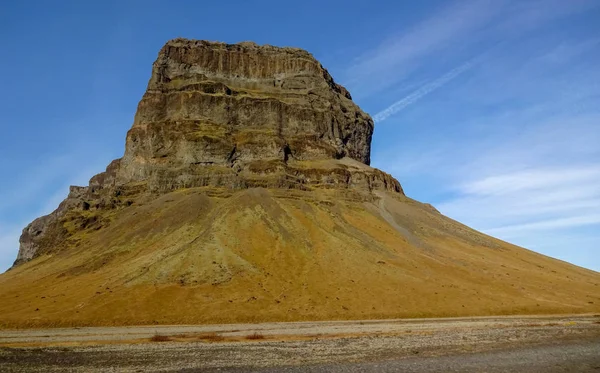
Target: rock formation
{"points": [[245, 195], [228, 115]]}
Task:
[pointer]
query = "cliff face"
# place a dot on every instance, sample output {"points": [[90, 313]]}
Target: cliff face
{"points": [[245, 195], [231, 116]]}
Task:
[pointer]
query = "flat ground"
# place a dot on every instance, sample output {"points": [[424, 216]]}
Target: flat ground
{"points": [[492, 344]]}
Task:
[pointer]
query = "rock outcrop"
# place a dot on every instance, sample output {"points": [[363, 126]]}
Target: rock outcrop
{"points": [[245, 195], [228, 116]]}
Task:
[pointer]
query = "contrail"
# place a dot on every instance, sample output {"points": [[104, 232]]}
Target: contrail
{"points": [[424, 90]]}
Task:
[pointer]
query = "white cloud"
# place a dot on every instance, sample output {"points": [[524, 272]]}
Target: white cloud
{"points": [[574, 221], [538, 179], [40, 197], [448, 31], [423, 91], [526, 15], [543, 177], [9, 243], [402, 53], [34, 181], [513, 150], [564, 196], [565, 52]]}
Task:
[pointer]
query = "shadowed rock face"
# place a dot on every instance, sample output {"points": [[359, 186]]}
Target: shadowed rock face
{"points": [[226, 115]]}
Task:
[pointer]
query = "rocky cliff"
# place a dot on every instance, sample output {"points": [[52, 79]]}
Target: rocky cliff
{"points": [[232, 116], [245, 195]]}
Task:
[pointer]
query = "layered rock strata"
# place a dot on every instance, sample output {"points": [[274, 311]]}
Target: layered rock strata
{"points": [[226, 116]]}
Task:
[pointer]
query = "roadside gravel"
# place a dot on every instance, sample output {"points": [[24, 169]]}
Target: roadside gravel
{"points": [[326, 345]]}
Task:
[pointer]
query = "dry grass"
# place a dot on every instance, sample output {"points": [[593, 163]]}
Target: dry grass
{"points": [[540, 324], [205, 337], [160, 338], [255, 336], [319, 260], [211, 337]]}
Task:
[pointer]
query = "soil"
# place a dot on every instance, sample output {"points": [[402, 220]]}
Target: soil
{"points": [[502, 343]]}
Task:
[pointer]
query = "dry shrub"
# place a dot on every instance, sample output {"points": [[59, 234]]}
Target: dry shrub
{"points": [[212, 337], [160, 338], [542, 325], [255, 335]]}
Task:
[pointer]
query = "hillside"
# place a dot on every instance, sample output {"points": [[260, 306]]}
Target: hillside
{"points": [[245, 194]]}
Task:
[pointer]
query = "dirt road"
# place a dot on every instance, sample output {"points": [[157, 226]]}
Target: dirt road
{"points": [[578, 357], [532, 344]]}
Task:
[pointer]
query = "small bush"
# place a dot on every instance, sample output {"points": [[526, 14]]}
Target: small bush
{"points": [[213, 337], [255, 335], [160, 338]]}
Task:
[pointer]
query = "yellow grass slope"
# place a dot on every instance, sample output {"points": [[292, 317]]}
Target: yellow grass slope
{"points": [[214, 256]]}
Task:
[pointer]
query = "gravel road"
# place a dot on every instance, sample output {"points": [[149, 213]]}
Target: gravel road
{"points": [[510, 344], [578, 357]]}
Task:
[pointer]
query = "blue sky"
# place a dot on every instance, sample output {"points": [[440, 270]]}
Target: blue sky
{"points": [[487, 109]]}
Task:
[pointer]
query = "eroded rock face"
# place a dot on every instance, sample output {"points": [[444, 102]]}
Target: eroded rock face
{"points": [[218, 109], [229, 116]]}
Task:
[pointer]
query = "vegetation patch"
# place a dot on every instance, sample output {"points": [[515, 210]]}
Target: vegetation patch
{"points": [[160, 338], [255, 336], [211, 337]]}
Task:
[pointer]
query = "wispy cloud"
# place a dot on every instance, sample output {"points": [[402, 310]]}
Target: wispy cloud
{"points": [[565, 52], [423, 91], [40, 190], [551, 224], [34, 181], [9, 243], [531, 180], [450, 30], [512, 150], [532, 187], [399, 55], [533, 198], [527, 15]]}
